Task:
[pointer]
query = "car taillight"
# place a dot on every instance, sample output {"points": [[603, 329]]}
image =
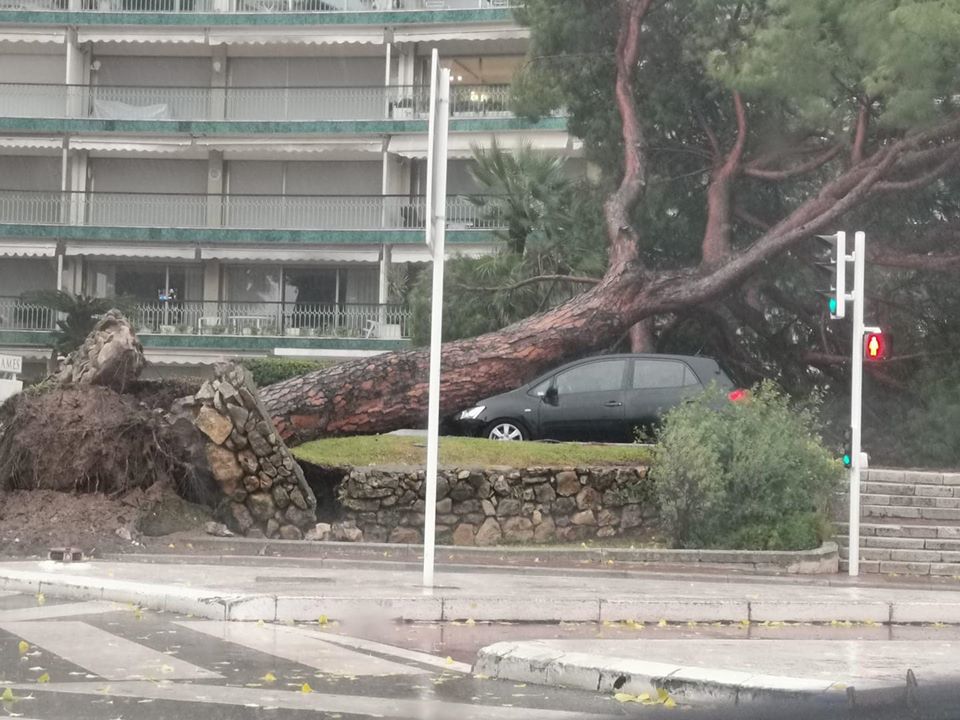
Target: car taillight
{"points": [[738, 395]]}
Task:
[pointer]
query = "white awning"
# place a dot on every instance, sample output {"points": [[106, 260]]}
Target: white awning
{"points": [[48, 145], [460, 32], [461, 144], [269, 148], [32, 36], [420, 253], [28, 248], [171, 252], [299, 36], [295, 254], [139, 36], [158, 146]]}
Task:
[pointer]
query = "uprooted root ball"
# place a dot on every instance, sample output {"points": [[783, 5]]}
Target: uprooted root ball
{"points": [[86, 439]]}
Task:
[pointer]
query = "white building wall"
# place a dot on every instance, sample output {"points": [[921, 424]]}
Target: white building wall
{"points": [[19, 275], [127, 175], [23, 172], [162, 71], [32, 68]]}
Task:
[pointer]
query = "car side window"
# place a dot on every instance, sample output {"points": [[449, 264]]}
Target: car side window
{"points": [[600, 376], [540, 389], [655, 374]]}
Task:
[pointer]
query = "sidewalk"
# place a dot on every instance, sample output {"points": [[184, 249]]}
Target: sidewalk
{"points": [[724, 671], [267, 589]]}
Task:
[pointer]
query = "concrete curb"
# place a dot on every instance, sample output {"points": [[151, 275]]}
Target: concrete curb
{"points": [[822, 560], [413, 604], [540, 664]]}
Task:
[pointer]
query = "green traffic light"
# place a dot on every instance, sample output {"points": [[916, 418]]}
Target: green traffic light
{"points": [[846, 460], [833, 305]]}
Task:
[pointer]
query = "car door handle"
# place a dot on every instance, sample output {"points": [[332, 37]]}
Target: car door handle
{"points": [[613, 403]]}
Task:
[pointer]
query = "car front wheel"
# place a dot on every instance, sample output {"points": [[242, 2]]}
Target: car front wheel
{"points": [[506, 430]]}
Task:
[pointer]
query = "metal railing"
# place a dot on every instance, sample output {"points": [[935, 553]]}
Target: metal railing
{"points": [[254, 6], [248, 212], [19, 314], [270, 319], [239, 104]]}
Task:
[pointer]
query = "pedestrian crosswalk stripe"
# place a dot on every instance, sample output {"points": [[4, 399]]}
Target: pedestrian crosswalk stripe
{"points": [[445, 664], [301, 647], [103, 653], [319, 702], [46, 612]]}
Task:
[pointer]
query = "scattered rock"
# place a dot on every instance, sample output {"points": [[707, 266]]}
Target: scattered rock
{"points": [[291, 532], [405, 535], [217, 529], [319, 532], [567, 483], [464, 534], [489, 533]]}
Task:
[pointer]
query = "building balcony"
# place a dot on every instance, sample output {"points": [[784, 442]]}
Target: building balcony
{"points": [[348, 217], [216, 325], [245, 104], [252, 11]]}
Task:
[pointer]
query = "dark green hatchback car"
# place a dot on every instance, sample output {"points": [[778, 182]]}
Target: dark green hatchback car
{"points": [[602, 398]]}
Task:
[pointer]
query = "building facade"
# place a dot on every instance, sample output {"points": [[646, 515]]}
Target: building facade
{"points": [[247, 175]]}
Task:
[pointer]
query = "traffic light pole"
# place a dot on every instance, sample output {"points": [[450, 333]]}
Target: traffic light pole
{"points": [[856, 394]]}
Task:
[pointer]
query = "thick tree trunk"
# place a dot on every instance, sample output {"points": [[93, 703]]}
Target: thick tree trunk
{"points": [[390, 391]]}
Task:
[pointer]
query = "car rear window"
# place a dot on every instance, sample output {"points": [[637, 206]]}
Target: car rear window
{"points": [[653, 374]]}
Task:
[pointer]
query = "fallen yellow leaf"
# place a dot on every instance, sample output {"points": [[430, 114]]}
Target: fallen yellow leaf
{"points": [[626, 697], [449, 660], [23, 647], [7, 695], [469, 621], [670, 703], [45, 678], [305, 688], [269, 678], [662, 623], [40, 599], [323, 620]]}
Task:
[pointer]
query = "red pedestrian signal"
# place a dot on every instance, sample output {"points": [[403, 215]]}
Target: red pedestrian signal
{"points": [[874, 346]]}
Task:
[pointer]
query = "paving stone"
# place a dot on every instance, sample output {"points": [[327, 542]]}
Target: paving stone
{"points": [[944, 502], [914, 555], [880, 475], [951, 479], [904, 568], [948, 569], [940, 513], [918, 477], [934, 490], [892, 511], [897, 543]]}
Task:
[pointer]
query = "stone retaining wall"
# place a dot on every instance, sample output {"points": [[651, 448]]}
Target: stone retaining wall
{"points": [[268, 494], [499, 505]]}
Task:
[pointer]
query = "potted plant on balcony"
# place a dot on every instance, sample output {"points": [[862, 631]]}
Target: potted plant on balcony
{"points": [[402, 109]]}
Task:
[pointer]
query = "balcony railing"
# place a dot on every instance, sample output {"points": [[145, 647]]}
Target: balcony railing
{"points": [[245, 104], [270, 319], [247, 212], [255, 6]]}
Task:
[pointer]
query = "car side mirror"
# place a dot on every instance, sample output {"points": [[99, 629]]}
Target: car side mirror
{"points": [[550, 396]]}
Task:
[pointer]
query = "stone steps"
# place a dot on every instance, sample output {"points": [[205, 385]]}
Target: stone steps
{"points": [[910, 523]]}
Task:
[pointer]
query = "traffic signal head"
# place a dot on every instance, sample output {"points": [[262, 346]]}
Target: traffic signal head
{"points": [[832, 264], [847, 448], [875, 346]]}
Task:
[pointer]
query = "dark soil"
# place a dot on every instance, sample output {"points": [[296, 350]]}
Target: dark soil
{"points": [[33, 521]]}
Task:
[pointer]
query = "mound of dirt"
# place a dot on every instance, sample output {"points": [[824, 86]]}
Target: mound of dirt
{"points": [[33, 521], [84, 438]]}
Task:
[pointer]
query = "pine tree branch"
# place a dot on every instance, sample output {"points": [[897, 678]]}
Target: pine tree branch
{"points": [[575, 279]]}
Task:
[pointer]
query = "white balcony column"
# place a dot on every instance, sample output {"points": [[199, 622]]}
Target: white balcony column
{"points": [[211, 296], [388, 72], [215, 189], [383, 291], [223, 5], [79, 162], [217, 107], [75, 76]]}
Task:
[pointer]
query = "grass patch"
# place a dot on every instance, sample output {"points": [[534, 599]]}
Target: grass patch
{"points": [[466, 452]]}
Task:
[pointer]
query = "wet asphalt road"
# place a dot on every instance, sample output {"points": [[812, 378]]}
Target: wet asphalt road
{"points": [[110, 662], [63, 660]]}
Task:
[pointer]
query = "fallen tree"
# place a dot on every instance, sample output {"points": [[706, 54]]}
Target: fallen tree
{"points": [[829, 176]]}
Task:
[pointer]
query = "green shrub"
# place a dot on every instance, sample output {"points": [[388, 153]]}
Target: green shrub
{"points": [[269, 370], [750, 475]]}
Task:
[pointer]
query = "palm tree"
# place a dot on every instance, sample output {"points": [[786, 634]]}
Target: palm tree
{"points": [[80, 315]]}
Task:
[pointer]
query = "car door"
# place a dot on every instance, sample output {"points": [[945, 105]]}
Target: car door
{"points": [[588, 404], [656, 385]]}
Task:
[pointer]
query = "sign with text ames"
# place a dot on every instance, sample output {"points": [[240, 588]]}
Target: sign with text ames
{"points": [[11, 364]]}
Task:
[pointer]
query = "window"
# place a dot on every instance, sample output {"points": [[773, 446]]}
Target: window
{"points": [[601, 376], [653, 374]]}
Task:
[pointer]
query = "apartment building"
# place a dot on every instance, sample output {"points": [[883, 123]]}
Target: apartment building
{"points": [[248, 175]]}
